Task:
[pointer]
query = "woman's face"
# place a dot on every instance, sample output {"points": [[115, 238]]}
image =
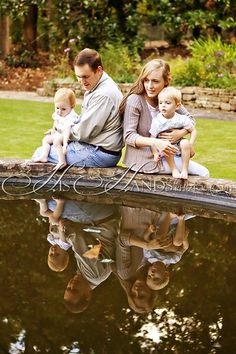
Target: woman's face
{"points": [[154, 83]]}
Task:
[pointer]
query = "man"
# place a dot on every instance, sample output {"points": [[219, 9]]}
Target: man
{"points": [[97, 138]]}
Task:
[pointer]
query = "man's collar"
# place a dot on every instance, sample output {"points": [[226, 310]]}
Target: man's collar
{"points": [[102, 78]]}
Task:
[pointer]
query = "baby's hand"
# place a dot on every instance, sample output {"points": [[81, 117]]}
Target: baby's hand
{"points": [[157, 157], [49, 132]]}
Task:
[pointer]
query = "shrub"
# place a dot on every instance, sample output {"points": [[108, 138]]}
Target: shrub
{"points": [[212, 64], [120, 62], [22, 57]]}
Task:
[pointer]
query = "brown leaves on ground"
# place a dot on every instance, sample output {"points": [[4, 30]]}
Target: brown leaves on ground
{"points": [[23, 79]]}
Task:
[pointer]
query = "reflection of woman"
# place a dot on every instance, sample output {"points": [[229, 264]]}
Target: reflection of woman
{"points": [[129, 254], [138, 108]]}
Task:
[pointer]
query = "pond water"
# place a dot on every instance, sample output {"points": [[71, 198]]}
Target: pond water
{"points": [[137, 280]]}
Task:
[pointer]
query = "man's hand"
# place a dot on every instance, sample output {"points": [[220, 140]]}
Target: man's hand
{"points": [[159, 243], [173, 135]]}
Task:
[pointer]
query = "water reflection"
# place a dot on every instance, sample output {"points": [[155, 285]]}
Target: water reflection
{"points": [[176, 270], [147, 245], [141, 243]]}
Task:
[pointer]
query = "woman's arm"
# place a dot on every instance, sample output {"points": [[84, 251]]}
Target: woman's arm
{"points": [[163, 146], [133, 115]]}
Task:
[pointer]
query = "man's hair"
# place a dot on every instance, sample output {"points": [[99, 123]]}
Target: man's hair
{"points": [[90, 57], [77, 307]]}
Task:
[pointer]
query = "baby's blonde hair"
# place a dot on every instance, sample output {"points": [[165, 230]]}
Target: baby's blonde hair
{"points": [[58, 264], [171, 93], [65, 94]]}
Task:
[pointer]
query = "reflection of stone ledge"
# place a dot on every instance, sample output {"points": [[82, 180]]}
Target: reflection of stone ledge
{"points": [[197, 189]]}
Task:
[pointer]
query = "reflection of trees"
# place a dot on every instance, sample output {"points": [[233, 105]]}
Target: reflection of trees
{"points": [[196, 312]]}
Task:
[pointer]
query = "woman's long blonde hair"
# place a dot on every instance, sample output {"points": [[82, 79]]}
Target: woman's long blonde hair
{"points": [[138, 86]]}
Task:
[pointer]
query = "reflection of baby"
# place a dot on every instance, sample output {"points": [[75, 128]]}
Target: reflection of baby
{"points": [[58, 258], [171, 226]]}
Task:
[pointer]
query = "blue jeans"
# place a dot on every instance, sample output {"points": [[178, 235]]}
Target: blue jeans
{"points": [[81, 155]]}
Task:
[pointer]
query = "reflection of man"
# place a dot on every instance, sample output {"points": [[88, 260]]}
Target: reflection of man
{"points": [[91, 271], [98, 136], [78, 293]]}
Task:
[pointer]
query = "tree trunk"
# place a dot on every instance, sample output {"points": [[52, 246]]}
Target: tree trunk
{"points": [[30, 28], [4, 36]]}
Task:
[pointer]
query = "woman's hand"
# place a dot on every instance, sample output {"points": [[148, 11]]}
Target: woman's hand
{"points": [[164, 146], [173, 135]]}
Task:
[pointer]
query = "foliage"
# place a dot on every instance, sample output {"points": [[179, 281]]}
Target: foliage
{"points": [[94, 23], [22, 57], [17, 8], [190, 18], [123, 65], [212, 64]]}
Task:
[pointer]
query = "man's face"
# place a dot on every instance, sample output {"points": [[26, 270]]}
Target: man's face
{"points": [[87, 77]]}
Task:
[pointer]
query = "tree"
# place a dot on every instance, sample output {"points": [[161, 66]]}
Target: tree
{"points": [[4, 35]]}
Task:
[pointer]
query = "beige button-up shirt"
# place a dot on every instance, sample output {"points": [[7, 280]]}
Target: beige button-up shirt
{"points": [[100, 123]]}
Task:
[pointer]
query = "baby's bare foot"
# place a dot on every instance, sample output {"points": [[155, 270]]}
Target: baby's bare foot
{"points": [[59, 166], [40, 159], [176, 174], [184, 175]]}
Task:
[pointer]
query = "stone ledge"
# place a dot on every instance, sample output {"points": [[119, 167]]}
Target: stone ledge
{"points": [[101, 181], [197, 97]]}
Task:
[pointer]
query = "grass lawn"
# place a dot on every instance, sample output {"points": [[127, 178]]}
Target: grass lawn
{"points": [[22, 124]]}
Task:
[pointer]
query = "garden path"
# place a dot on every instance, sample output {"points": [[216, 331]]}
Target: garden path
{"points": [[201, 113]]}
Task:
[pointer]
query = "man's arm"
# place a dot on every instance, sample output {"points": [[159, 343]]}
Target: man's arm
{"points": [[93, 118], [176, 134]]}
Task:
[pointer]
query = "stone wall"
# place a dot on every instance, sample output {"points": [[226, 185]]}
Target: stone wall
{"points": [[196, 97]]}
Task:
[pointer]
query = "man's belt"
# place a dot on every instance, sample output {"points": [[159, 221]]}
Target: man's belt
{"points": [[115, 153]]}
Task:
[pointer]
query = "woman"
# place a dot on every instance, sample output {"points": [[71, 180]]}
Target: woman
{"points": [[129, 267], [138, 108]]}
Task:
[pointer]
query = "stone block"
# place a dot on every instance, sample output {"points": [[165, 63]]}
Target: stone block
{"points": [[225, 106], [232, 101], [233, 107], [188, 97], [188, 90]]}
